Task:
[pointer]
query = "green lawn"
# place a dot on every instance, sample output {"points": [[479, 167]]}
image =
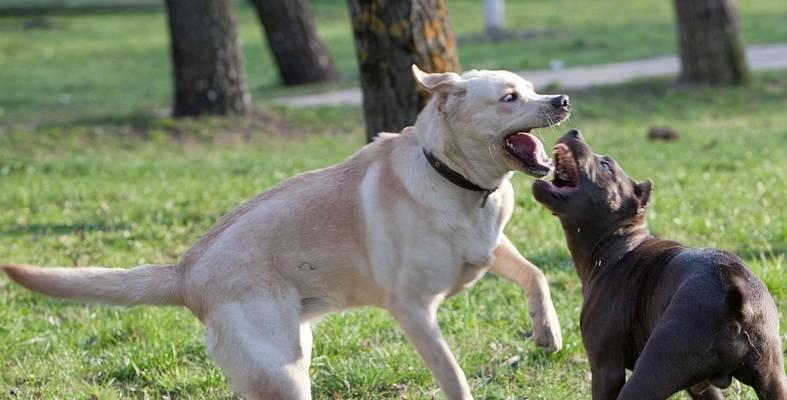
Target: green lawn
{"points": [[97, 193], [90, 175]]}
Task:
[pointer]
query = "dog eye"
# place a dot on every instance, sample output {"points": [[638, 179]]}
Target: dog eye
{"points": [[606, 166], [510, 97]]}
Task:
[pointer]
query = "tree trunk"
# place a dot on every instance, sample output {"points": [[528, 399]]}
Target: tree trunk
{"points": [[292, 37], [711, 49], [390, 36], [207, 63]]}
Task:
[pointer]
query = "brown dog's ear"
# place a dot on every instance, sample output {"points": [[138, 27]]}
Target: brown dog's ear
{"points": [[642, 191]]}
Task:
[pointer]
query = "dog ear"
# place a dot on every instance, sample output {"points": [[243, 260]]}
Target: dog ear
{"points": [[441, 85], [642, 191], [435, 82]]}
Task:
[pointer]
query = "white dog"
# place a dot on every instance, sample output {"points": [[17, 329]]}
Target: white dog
{"points": [[406, 222]]}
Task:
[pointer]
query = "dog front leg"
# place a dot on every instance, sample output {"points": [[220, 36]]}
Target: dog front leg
{"points": [[607, 381], [511, 265], [418, 320]]}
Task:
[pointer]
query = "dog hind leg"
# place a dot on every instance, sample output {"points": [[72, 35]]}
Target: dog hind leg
{"points": [[771, 383], [667, 364], [257, 343], [772, 387]]}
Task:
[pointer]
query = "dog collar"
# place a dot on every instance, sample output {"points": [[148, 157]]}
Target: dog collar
{"points": [[455, 177]]}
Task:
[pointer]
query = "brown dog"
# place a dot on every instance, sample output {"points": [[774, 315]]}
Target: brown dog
{"points": [[679, 318]]}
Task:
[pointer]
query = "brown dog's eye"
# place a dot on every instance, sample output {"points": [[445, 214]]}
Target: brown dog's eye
{"points": [[606, 166], [510, 97]]}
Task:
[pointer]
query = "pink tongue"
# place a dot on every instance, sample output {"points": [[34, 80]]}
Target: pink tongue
{"points": [[528, 147]]}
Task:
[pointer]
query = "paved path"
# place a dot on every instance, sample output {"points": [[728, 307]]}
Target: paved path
{"points": [[762, 57]]}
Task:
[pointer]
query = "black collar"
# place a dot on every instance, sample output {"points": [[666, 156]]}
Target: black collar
{"points": [[455, 177]]}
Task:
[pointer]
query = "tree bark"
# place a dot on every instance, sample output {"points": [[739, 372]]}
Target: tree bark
{"points": [[207, 62], [711, 49], [390, 36], [292, 37]]}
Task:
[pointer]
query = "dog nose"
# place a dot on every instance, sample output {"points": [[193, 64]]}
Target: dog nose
{"points": [[576, 134], [560, 101]]}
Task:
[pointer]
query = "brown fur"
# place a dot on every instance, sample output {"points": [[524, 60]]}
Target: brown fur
{"points": [[679, 318]]}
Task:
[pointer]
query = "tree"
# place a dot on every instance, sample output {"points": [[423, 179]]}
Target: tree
{"points": [[292, 37], [390, 36], [711, 49], [207, 63]]}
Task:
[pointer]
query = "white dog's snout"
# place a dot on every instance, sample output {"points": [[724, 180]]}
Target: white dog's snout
{"points": [[560, 101]]}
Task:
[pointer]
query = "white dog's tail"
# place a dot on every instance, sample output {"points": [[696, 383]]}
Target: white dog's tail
{"points": [[146, 284]]}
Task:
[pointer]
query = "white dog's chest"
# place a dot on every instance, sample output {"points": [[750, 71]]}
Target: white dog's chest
{"points": [[436, 245], [469, 276], [477, 255], [459, 258], [480, 251]]}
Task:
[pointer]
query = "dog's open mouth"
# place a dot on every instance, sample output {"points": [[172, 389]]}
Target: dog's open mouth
{"points": [[529, 151], [566, 173], [566, 178]]}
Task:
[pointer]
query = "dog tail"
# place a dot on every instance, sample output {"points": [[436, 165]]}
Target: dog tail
{"points": [[145, 284]]}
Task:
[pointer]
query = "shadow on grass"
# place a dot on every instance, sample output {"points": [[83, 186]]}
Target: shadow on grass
{"points": [[140, 120], [60, 229], [137, 124], [157, 124]]}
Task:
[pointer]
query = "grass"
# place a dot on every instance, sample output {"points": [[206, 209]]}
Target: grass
{"points": [[106, 63], [91, 174], [125, 192]]}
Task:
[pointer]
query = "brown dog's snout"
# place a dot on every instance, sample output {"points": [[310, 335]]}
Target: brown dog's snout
{"points": [[560, 101]]}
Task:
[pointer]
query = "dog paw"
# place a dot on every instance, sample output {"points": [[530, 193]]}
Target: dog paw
{"points": [[546, 328]]}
